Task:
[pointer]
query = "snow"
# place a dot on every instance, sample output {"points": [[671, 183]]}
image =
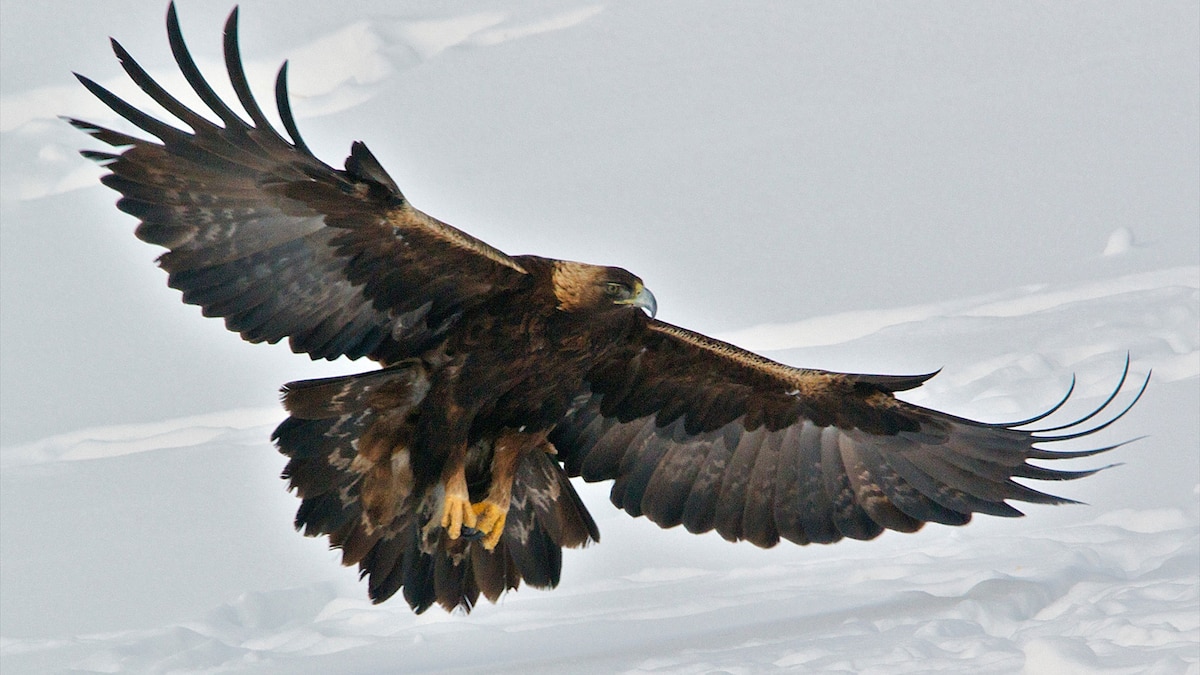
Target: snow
{"points": [[1119, 242], [166, 546], [1010, 194]]}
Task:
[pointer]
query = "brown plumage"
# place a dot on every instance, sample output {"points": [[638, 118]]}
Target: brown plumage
{"points": [[445, 472]]}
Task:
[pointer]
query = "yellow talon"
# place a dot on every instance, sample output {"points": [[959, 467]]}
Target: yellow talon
{"points": [[490, 522], [457, 514]]}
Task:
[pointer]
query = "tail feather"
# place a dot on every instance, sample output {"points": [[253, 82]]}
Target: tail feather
{"points": [[347, 441], [400, 386], [545, 515]]}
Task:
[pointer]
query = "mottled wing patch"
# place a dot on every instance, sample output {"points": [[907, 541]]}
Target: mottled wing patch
{"points": [[699, 433], [279, 244]]}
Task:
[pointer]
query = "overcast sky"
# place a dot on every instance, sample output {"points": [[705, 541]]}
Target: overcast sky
{"points": [[897, 186], [826, 165]]}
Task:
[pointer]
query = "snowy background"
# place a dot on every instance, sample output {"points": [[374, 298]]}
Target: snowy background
{"points": [[1008, 191]]}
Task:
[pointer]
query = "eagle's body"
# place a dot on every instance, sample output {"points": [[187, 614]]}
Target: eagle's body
{"points": [[445, 472]]}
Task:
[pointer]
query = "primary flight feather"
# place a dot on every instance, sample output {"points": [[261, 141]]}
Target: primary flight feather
{"points": [[445, 472]]}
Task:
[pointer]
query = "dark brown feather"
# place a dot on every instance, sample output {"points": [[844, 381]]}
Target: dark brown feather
{"points": [[700, 506], [343, 440], [758, 517], [281, 245], [714, 437], [665, 495], [732, 497]]}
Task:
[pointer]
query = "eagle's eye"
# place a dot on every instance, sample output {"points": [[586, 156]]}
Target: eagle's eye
{"points": [[617, 290]]}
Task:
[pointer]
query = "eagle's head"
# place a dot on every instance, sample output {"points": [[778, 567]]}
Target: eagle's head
{"points": [[580, 287]]}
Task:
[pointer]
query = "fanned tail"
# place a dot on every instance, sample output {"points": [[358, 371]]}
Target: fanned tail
{"points": [[348, 442]]}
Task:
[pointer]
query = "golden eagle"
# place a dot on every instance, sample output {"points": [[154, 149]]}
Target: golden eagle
{"points": [[445, 472]]}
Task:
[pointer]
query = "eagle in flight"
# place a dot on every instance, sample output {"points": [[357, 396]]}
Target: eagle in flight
{"points": [[445, 472]]}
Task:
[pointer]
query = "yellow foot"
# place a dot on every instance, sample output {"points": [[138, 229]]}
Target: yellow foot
{"points": [[457, 514], [490, 522]]}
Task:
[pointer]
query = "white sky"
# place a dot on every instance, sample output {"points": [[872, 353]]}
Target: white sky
{"points": [[754, 162], [895, 186]]}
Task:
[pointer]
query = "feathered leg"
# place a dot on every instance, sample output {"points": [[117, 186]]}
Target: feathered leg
{"points": [[457, 513], [508, 451]]}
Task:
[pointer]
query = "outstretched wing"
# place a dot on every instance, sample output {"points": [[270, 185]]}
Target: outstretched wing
{"points": [[279, 244], [698, 432]]}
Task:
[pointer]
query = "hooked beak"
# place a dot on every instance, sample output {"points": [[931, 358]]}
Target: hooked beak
{"points": [[645, 299]]}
